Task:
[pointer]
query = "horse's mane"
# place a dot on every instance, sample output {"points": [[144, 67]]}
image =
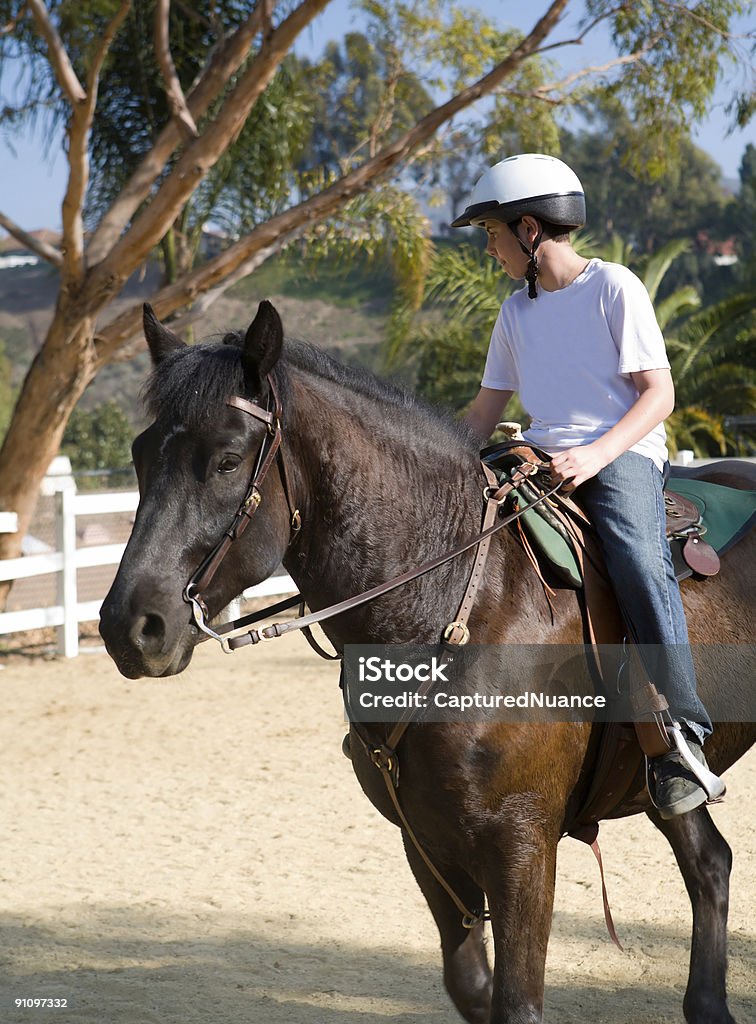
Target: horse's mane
{"points": [[193, 383]]}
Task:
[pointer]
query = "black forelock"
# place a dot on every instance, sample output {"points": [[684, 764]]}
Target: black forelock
{"points": [[193, 384]]}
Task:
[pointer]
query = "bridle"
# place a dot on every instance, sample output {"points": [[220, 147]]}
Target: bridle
{"points": [[270, 451]]}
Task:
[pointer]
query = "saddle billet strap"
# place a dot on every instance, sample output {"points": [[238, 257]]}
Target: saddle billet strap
{"points": [[681, 513], [588, 834]]}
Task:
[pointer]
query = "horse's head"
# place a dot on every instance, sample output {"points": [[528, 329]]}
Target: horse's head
{"points": [[195, 465]]}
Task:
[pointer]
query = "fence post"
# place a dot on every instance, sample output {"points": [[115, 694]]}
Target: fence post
{"points": [[67, 596]]}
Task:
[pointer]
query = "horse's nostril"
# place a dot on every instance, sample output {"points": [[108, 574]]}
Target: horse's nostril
{"points": [[148, 633], [153, 627]]}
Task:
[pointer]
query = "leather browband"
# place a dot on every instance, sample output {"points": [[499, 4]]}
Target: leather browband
{"points": [[253, 409]]}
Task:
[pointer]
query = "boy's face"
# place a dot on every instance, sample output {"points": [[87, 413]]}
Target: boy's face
{"points": [[504, 248]]}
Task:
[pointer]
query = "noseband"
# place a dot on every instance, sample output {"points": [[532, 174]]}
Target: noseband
{"points": [[270, 451]]}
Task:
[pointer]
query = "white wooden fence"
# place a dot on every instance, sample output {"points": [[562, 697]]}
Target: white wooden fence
{"points": [[67, 559]]}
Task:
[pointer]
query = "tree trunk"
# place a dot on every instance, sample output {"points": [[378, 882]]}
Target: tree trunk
{"points": [[56, 379]]}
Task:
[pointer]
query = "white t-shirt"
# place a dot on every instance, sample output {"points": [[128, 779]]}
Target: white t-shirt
{"points": [[569, 354]]}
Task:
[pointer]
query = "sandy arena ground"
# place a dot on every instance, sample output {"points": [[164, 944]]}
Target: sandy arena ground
{"points": [[197, 851]]}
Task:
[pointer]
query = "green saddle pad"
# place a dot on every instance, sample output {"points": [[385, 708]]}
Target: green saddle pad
{"points": [[728, 514], [550, 544]]}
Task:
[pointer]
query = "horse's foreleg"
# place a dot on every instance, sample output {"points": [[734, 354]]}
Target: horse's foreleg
{"points": [[705, 860], [467, 975], [520, 889]]}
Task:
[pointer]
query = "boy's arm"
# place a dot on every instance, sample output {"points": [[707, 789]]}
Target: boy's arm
{"points": [[656, 400], [486, 410]]}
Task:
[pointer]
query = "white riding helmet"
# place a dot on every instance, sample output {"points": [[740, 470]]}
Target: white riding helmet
{"points": [[530, 183]]}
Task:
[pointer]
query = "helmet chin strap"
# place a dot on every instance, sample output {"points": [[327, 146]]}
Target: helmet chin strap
{"points": [[532, 272]]}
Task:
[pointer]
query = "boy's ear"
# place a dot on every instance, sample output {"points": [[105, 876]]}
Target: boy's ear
{"points": [[532, 228]]}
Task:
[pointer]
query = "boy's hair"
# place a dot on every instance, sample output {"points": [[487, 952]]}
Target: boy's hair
{"points": [[556, 232]]}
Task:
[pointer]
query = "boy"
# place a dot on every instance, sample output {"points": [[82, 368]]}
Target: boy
{"points": [[583, 349]]}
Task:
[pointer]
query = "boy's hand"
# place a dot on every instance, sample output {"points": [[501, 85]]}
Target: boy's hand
{"points": [[577, 465]]}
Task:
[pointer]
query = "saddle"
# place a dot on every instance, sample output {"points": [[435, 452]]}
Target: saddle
{"points": [[694, 509], [562, 545]]}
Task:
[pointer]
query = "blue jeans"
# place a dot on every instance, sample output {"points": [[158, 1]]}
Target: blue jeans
{"points": [[625, 502]]}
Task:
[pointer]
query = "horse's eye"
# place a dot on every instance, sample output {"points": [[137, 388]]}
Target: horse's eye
{"points": [[229, 464]]}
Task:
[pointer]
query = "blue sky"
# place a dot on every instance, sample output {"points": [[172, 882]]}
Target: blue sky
{"points": [[31, 189]]}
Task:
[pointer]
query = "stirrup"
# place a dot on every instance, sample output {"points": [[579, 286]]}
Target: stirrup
{"points": [[711, 784]]}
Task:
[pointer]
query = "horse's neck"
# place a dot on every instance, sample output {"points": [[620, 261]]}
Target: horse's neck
{"points": [[378, 498]]}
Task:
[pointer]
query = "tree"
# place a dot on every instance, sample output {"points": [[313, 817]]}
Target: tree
{"points": [[446, 349], [649, 204], [248, 183], [98, 439], [65, 48], [362, 96]]}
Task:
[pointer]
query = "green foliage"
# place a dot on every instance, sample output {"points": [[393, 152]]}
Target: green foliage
{"points": [[713, 357], [361, 95], [444, 349], [711, 352], [685, 45], [98, 439], [622, 199]]}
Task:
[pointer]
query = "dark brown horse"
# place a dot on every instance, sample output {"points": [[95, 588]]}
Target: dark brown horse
{"points": [[383, 484]]}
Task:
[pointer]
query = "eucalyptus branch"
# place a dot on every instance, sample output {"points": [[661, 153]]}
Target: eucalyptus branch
{"points": [[58, 55], [190, 14], [134, 344], [385, 114], [201, 154], [78, 156], [42, 249], [93, 78], [578, 40], [695, 16], [173, 90], [541, 91], [224, 63]]}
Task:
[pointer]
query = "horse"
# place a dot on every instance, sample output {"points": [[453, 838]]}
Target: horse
{"points": [[381, 482]]}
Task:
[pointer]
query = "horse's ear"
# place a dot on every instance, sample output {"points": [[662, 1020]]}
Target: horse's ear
{"points": [[160, 340], [262, 346]]}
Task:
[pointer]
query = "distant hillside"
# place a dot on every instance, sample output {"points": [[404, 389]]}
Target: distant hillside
{"points": [[341, 309]]}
